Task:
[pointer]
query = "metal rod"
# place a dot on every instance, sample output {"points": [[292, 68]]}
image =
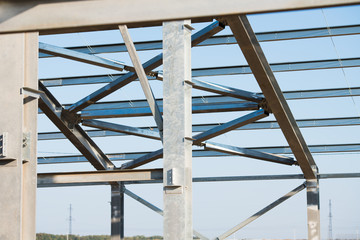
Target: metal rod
{"points": [[262, 212]]}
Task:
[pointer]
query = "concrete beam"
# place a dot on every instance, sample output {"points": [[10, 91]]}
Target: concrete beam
{"points": [[70, 16]]}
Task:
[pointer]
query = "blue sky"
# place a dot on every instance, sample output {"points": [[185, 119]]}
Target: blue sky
{"points": [[218, 206]]}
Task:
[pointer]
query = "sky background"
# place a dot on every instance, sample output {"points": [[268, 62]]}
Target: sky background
{"points": [[218, 207]]}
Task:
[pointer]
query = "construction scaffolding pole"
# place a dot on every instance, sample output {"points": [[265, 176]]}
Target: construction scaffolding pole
{"points": [[18, 135], [177, 131]]}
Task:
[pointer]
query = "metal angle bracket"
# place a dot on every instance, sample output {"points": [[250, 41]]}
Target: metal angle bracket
{"points": [[173, 182], [33, 93]]}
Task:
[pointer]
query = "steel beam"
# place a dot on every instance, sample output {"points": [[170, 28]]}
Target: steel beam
{"points": [[177, 162], [217, 71], [220, 179], [48, 17], [226, 39], [226, 127], [209, 103], [146, 111], [140, 72], [67, 123], [117, 211], [148, 66], [99, 176], [226, 91], [122, 129], [330, 148], [255, 57], [261, 212], [81, 57], [245, 152], [302, 123], [18, 132], [143, 159]]}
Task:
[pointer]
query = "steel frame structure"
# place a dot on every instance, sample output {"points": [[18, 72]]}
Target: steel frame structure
{"points": [[20, 24]]}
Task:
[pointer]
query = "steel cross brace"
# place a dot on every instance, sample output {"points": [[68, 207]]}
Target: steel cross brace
{"points": [[262, 212], [216, 131], [68, 125], [148, 66], [256, 59]]}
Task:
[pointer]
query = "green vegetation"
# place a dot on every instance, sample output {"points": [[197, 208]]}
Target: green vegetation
{"points": [[46, 236]]}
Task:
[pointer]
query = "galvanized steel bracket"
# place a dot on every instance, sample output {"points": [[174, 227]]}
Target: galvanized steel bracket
{"points": [[172, 182]]}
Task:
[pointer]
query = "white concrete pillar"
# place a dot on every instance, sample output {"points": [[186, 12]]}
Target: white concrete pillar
{"points": [[177, 131], [18, 123]]}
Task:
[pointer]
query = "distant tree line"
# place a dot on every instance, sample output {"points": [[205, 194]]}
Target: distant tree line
{"points": [[46, 236]]}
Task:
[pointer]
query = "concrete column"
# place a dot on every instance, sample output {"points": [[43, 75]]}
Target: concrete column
{"points": [[117, 212], [18, 121], [177, 131], [313, 209]]}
